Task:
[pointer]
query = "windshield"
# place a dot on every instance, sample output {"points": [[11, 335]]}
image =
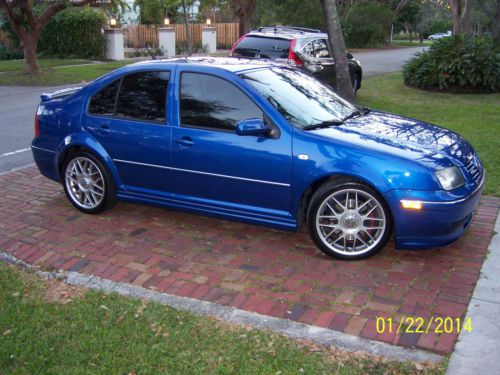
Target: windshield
{"points": [[302, 99]]}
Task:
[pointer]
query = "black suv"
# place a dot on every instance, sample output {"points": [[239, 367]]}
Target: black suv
{"points": [[298, 46]]}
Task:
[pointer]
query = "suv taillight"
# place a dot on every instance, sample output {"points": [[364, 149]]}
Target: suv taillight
{"points": [[235, 44], [37, 129], [292, 57]]}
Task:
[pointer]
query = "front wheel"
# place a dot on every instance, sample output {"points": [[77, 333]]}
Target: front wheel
{"points": [[348, 220], [87, 183]]}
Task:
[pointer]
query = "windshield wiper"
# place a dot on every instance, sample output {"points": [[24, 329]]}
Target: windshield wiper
{"points": [[324, 124], [361, 111]]}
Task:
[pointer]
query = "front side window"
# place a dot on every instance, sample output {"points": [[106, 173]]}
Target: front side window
{"points": [[141, 96], [302, 99], [210, 102]]}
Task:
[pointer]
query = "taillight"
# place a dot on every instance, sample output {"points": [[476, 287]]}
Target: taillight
{"points": [[235, 44], [37, 129], [292, 57]]}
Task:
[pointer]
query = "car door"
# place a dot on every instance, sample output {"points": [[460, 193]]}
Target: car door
{"points": [[128, 118], [215, 166]]}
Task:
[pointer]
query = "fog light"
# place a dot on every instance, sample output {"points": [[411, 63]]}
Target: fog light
{"points": [[411, 205]]}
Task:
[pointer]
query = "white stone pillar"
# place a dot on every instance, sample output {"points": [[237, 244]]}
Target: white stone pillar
{"points": [[114, 44], [209, 39], [166, 41]]}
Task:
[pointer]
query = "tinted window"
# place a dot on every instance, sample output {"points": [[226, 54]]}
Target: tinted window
{"points": [[308, 49], [321, 48], [103, 103], [143, 96], [316, 49], [302, 99], [211, 102], [256, 46]]}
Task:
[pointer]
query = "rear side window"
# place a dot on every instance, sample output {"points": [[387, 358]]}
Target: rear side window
{"points": [[103, 103], [261, 47], [141, 96], [211, 102]]}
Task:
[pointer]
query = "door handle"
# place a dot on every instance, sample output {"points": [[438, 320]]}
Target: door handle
{"points": [[185, 141]]}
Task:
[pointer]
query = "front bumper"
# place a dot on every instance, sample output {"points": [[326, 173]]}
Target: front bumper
{"points": [[439, 222]]}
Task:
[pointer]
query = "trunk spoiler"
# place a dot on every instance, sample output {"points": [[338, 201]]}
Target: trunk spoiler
{"points": [[59, 94]]}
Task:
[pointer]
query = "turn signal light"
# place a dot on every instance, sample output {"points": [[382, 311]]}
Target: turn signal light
{"points": [[411, 205]]}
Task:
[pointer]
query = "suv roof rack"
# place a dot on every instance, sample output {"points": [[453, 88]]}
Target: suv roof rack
{"points": [[294, 29]]}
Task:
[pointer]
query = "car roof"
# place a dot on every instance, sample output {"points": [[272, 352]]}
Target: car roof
{"points": [[286, 32], [232, 64]]}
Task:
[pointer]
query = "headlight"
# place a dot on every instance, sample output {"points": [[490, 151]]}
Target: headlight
{"points": [[450, 178]]}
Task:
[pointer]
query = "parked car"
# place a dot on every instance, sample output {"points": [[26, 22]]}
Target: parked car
{"points": [[298, 46], [438, 36], [262, 143]]}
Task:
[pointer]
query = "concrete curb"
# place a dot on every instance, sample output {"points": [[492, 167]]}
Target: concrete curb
{"points": [[476, 352], [319, 335]]}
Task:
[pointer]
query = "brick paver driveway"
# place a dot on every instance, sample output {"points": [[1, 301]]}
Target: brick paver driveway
{"points": [[252, 268]]}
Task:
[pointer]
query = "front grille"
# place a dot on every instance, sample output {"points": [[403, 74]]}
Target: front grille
{"points": [[474, 168]]}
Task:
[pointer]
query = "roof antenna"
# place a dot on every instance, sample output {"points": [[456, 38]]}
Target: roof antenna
{"points": [[153, 57]]}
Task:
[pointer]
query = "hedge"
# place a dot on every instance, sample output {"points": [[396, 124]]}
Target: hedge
{"points": [[456, 64], [74, 33]]}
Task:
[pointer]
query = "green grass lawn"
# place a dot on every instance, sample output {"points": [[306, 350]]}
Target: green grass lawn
{"points": [[18, 65], [414, 43], [95, 333], [475, 117], [61, 75]]}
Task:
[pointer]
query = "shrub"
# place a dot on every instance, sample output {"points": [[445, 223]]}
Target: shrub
{"points": [[456, 64], [9, 53], [367, 25], [74, 32]]}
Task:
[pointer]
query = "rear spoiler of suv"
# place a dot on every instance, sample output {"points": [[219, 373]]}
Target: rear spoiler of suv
{"points": [[59, 94]]}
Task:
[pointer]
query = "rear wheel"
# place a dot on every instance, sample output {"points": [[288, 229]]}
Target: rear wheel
{"points": [[87, 183], [348, 220]]}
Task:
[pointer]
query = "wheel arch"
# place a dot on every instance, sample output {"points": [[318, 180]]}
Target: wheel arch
{"points": [[308, 193], [84, 142]]}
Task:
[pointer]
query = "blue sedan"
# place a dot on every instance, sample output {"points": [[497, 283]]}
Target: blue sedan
{"points": [[262, 143]]}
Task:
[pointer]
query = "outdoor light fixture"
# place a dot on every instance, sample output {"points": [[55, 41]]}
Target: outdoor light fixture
{"points": [[112, 21], [209, 22], [166, 21]]}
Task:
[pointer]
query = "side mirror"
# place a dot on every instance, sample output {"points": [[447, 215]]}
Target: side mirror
{"points": [[350, 56], [252, 126]]}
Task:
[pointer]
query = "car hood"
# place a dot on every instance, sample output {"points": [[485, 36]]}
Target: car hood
{"points": [[409, 138]]}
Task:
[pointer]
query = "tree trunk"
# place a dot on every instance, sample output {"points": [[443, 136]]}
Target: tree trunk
{"points": [[456, 6], [188, 32], [29, 46], [245, 23], [411, 36], [243, 11], [495, 25], [337, 45]]}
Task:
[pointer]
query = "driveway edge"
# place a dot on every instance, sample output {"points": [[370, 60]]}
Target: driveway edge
{"points": [[475, 352], [319, 335]]}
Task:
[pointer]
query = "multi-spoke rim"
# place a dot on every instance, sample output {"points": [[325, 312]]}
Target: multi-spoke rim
{"points": [[84, 182], [351, 222]]}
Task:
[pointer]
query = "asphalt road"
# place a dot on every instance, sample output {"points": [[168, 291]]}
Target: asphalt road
{"points": [[18, 106]]}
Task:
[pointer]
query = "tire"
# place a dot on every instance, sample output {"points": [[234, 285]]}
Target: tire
{"points": [[87, 183], [356, 83], [348, 220]]}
